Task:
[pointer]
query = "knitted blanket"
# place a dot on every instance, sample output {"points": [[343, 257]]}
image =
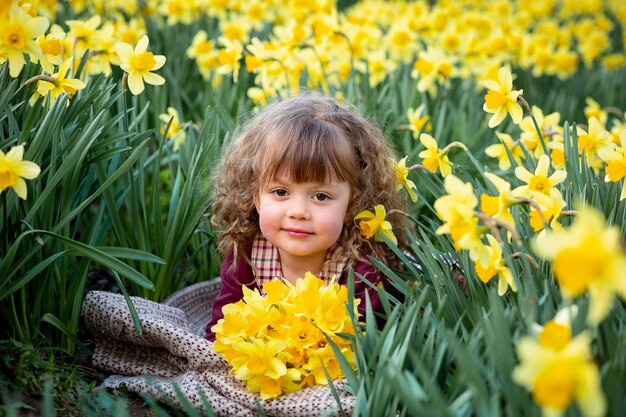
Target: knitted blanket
{"points": [[168, 359]]}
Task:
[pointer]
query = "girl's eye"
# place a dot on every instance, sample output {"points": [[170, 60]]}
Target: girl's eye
{"points": [[279, 192], [321, 197]]}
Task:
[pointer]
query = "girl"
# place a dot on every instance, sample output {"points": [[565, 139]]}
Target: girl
{"points": [[287, 191]]}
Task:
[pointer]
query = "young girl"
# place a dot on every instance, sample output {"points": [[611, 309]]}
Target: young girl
{"points": [[287, 191]]}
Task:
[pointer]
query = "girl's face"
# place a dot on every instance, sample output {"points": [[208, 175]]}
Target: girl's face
{"points": [[303, 220]]}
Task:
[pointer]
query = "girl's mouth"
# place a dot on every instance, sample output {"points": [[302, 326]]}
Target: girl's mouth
{"points": [[297, 232]]}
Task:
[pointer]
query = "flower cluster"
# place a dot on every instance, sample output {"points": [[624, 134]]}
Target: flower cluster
{"points": [[279, 342]]}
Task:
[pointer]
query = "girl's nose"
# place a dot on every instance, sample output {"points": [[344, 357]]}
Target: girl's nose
{"points": [[298, 208]]}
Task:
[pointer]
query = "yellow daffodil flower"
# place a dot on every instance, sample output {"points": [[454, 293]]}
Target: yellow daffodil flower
{"points": [[559, 370], [593, 109], [83, 33], [138, 63], [456, 210], [551, 207], [13, 171], [229, 57], [615, 158], [539, 182], [418, 121], [52, 50], [547, 125], [373, 223], [590, 141], [499, 207], [433, 157], [587, 258], [18, 32], [402, 178], [499, 151], [502, 99], [175, 130], [496, 266], [59, 83]]}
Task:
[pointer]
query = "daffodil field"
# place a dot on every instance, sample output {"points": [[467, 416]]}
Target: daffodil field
{"points": [[509, 121]]}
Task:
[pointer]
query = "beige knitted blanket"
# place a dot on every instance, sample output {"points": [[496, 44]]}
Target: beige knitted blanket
{"points": [[167, 356]]}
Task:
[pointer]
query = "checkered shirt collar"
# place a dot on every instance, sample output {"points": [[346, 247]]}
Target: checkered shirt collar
{"points": [[266, 261]]}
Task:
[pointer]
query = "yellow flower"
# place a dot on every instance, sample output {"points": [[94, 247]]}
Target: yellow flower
{"points": [[200, 45], [539, 182], [51, 46], [502, 99], [62, 84], [13, 171], [418, 121], [229, 57], [547, 124], [499, 206], [615, 158], [589, 142], [175, 130], [138, 63], [456, 209], [587, 257], [551, 207], [558, 370], [373, 223], [18, 32], [402, 178], [433, 157], [496, 266], [499, 151], [593, 109]]}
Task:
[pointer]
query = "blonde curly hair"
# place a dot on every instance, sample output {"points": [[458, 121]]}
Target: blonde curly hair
{"points": [[310, 138]]}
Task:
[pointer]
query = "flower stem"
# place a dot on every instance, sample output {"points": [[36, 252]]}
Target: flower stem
{"points": [[532, 116]]}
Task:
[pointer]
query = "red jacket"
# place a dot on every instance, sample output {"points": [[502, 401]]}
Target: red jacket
{"points": [[232, 281]]}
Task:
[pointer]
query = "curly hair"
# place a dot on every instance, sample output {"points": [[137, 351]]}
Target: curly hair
{"points": [[310, 138]]}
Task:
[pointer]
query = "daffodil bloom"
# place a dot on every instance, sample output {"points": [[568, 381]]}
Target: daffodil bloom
{"points": [[372, 224], [229, 57], [593, 109], [402, 178], [496, 266], [559, 370], [13, 171], [499, 151], [18, 32], [138, 63], [418, 121], [551, 207], [592, 140], [539, 182], [58, 83], [52, 50], [547, 124], [433, 157], [499, 207], [615, 158], [587, 258], [175, 130], [502, 99], [456, 210]]}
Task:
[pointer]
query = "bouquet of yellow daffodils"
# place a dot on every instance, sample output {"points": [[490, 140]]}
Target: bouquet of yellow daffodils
{"points": [[278, 343]]}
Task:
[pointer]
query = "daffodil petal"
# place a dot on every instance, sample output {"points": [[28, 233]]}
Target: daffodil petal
{"points": [[154, 79]]}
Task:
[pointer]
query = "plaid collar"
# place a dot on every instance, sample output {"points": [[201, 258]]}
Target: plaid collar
{"points": [[266, 261]]}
